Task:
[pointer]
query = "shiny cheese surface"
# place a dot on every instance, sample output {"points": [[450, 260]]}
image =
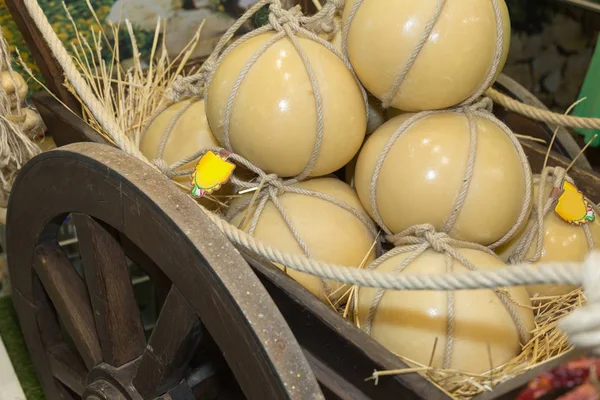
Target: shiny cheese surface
{"points": [[332, 234], [562, 242], [274, 118], [408, 322], [453, 63], [423, 173]]}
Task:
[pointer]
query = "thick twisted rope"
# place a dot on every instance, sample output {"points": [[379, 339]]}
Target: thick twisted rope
{"points": [[269, 187], [480, 110], [388, 97], [542, 206], [582, 325], [416, 241], [539, 114]]}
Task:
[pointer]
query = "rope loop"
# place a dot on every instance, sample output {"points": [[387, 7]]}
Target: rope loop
{"points": [[421, 234], [164, 168], [280, 17], [190, 86], [484, 103]]}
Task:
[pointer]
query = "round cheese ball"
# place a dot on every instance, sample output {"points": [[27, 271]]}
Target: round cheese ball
{"points": [[408, 322], [332, 233], [562, 242], [452, 65], [423, 173], [8, 80], [273, 120], [190, 134]]}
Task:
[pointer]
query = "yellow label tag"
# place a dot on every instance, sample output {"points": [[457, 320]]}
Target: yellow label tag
{"points": [[573, 207], [211, 172]]}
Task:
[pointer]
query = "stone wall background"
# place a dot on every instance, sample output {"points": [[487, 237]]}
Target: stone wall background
{"points": [[551, 50]]}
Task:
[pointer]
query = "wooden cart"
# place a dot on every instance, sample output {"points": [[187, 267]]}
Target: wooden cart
{"points": [[231, 325]]}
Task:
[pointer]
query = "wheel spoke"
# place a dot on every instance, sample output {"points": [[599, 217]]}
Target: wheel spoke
{"points": [[116, 311], [67, 367], [162, 284], [170, 348], [70, 298]]}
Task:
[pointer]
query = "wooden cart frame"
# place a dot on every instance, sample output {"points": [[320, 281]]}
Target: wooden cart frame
{"points": [[231, 324]]}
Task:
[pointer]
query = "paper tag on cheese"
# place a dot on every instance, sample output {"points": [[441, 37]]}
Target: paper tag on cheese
{"points": [[211, 172], [572, 206]]}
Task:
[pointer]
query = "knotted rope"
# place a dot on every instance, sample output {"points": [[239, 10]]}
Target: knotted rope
{"points": [[269, 187], [416, 241], [388, 98], [544, 204], [15, 147], [289, 24], [582, 326], [481, 110]]}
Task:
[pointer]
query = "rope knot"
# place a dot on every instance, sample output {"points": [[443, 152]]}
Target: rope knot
{"points": [[582, 326], [275, 184], [164, 168], [484, 103], [279, 18], [420, 234], [183, 87]]}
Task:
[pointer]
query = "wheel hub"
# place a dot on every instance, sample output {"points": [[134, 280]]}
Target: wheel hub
{"points": [[102, 390]]}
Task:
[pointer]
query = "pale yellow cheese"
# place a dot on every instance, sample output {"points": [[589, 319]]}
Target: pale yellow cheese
{"points": [[274, 116], [332, 234], [423, 173], [451, 66], [408, 322]]}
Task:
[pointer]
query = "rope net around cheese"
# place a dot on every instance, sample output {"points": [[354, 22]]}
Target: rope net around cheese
{"points": [[465, 322], [299, 221], [554, 239], [462, 171], [441, 51], [176, 138], [274, 111]]}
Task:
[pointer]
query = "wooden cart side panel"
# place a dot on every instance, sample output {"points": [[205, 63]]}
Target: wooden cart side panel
{"points": [[42, 55]]}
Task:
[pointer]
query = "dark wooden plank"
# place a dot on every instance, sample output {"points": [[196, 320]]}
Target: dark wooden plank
{"points": [[47, 319], [64, 126], [170, 348], [70, 298], [28, 322], [334, 386], [42, 55], [510, 389], [63, 392], [67, 367], [162, 284], [341, 348], [179, 392], [116, 312], [587, 181]]}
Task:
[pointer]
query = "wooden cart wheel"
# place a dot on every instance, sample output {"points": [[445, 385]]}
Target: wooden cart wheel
{"points": [[121, 208]]}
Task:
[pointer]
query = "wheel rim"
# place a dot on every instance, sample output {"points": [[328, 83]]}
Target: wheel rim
{"points": [[111, 196]]}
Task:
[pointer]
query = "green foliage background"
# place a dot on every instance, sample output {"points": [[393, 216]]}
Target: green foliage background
{"points": [[62, 26]]}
